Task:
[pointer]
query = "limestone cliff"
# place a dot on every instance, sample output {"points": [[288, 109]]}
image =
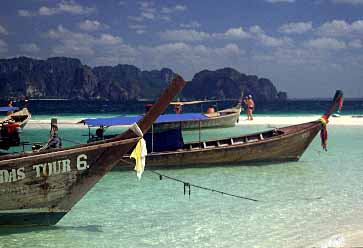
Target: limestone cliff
{"points": [[62, 77]]}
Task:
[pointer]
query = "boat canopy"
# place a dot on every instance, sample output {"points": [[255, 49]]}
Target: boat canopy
{"points": [[202, 101], [128, 120], [8, 109]]}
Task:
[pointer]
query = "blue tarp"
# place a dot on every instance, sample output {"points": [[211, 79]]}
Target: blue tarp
{"points": [[8, 109], [128, 120], [170, 140]]}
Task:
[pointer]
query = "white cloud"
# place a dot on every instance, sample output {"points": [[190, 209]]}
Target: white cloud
{"points": [[180, 8], [294, 58], [185, 58], [255, 32], [184, 35], [296, 27], [108, 39], [236, 33], [280, 1], [326, 43], [269, 41], [3, 30], [45, 11], [70, 7], [140, 31], [191, 35], [3, 46], [190, 25], [81, 44], [169, 10], [74, 8], [91, 25], [354, 2], [272, 41], [147, 15], [139, 28], [356, 44], [229, 49], [147, 7], [341, 28], [29, 48], [25, 13], [136, 18], [148, 11], [256, 29]]}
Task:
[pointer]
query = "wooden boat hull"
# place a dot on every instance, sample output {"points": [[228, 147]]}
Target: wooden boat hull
{"points": [[44, 188], [224, 118], [39, 188], [20, 117], [288, 146]]}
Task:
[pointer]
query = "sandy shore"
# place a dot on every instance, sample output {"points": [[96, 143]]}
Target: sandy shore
{"points": [[269, 121], [281, 120]]}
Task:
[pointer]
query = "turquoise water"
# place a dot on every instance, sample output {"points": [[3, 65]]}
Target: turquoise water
{"points": [[300, 203]]}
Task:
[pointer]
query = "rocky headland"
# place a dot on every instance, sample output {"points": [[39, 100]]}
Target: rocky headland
{"points": [[68, 78]]}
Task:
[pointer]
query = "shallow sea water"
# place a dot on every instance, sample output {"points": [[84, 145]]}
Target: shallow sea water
{"points": [[300, 203]]}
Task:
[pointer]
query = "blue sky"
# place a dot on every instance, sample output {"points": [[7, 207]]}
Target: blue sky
{"points": [[308, 48]]}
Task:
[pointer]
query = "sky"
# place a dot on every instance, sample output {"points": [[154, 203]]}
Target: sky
{"points": [[308, 48]]}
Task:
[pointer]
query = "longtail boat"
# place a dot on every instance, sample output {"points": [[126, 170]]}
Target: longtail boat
{"points": [[39, 188], [211, 119], [19, 117], [271, 146], [223, 118]]}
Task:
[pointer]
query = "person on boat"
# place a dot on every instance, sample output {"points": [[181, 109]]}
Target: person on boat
{"points": [[250, 107], [211, 109], [178, 109], [54, 140], [10, 105]]}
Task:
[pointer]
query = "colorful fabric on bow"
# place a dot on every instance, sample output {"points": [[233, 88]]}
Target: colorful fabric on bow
{"points": [[324, 120]]}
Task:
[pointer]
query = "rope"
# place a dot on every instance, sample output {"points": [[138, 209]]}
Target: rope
{"points": [[187, 188], [188, 185]]}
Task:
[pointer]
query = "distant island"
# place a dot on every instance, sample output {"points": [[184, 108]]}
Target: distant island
{"points": [[68, 78]]}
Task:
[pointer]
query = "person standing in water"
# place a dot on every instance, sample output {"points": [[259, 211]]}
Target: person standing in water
{"points": [[250, 107]]}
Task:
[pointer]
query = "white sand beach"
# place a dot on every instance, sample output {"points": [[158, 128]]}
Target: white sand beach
{"points": [[269, 121], [291, 120]]}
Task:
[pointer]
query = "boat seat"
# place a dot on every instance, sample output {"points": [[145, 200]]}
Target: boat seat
{"points": [[238, 140], [221, 143], [211, 144], [194, 146]]}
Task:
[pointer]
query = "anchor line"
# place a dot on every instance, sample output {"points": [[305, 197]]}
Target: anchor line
{"points": [[187, 185]]}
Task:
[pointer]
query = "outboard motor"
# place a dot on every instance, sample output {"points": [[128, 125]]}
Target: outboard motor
{"points": [[9, 135]]}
